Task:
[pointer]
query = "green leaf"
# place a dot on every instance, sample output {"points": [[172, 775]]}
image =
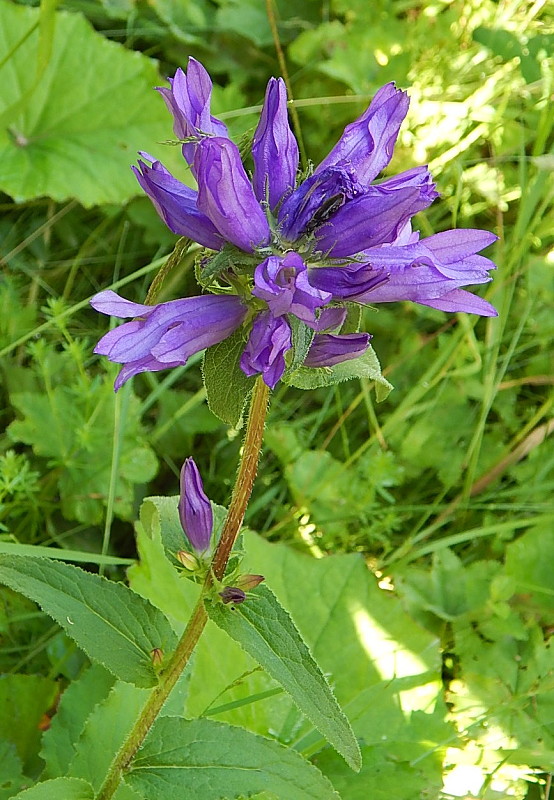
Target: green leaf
{"points": [[63, 136], [213, 760], [111, 623], [59, 742], [227, 387], [302, 337], [11, 775], [263, 628], [105, 731], [58, 788], [73, 426], [23, 701], [366, 366]]}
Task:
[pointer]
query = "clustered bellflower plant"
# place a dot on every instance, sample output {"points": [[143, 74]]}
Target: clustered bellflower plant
{"points": [[285, 260], [282, 254]]}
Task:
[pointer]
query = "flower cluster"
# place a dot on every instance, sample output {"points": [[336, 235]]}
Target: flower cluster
{"points": [[295, 254]]}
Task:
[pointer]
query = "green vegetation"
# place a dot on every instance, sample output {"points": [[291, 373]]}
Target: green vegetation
{"points": [[412, 540]]}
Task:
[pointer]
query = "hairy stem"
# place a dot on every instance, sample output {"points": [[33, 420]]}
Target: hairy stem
{"points": [[239, 500]]}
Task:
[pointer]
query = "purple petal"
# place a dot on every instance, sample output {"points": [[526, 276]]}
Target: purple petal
{"points": [[195, 510], [329, 319], [350, 280], [451, 246], [328, 349], [283, 283], [226, 196], [177, 205], [368, 143], [269, 340], [148, 364], [112, 304], [375, 218], [417, 177], [274, 148], [189, 100], [171, 333], [315, 200], [459, 300]]}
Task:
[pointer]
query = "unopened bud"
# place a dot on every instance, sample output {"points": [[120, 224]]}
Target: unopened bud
{"points": [[195, 510], [157, 656], [188, 560], [248, 582], [232, 594]]}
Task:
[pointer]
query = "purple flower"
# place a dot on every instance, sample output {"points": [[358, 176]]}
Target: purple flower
{"points": [[165, 335], [188, 100], [269, 340], [176, 204], [328, 349], [226, 196], [274, 148], [195, 510], [290, 250], [283, 283]]}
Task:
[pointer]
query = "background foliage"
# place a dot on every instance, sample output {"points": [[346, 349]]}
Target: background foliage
{"points": [[432, 610]]}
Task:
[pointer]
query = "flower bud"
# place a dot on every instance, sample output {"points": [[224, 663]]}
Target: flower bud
{"points": [[157, 656], [248, 582], [195, 511], [232, 594], [188, 560]]}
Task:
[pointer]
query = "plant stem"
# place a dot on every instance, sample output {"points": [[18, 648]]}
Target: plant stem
{"points": [[239, 500]]}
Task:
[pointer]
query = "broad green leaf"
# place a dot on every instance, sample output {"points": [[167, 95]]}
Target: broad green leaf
{"points": [[266, 632], [58, 788], [227, 387], [74, 429], [529, 563], [111, 623], [105, 731], [24, 699], [160, 518], [59, 742], [366, 366], [212, 760], [11, 775], [81, 556], [67, 137]]}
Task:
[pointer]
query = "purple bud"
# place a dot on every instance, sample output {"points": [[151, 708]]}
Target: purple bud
{"points": [[232, 594], [274, 148], [195, 511], [269, 340]]}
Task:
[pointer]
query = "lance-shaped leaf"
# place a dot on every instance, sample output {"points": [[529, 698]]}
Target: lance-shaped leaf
{"points": [[227, 387], [267, 633], [111, 623], [58, 788], [208, 760]]}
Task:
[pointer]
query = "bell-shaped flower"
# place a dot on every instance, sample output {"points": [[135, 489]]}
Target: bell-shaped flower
{"points": [[226, 196], [165, 335], [176, 204], [188, 99], [283, 283], [274, 148], [367, 144], [328, 349], [269, 340], [291, 251], [195, 510]]}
